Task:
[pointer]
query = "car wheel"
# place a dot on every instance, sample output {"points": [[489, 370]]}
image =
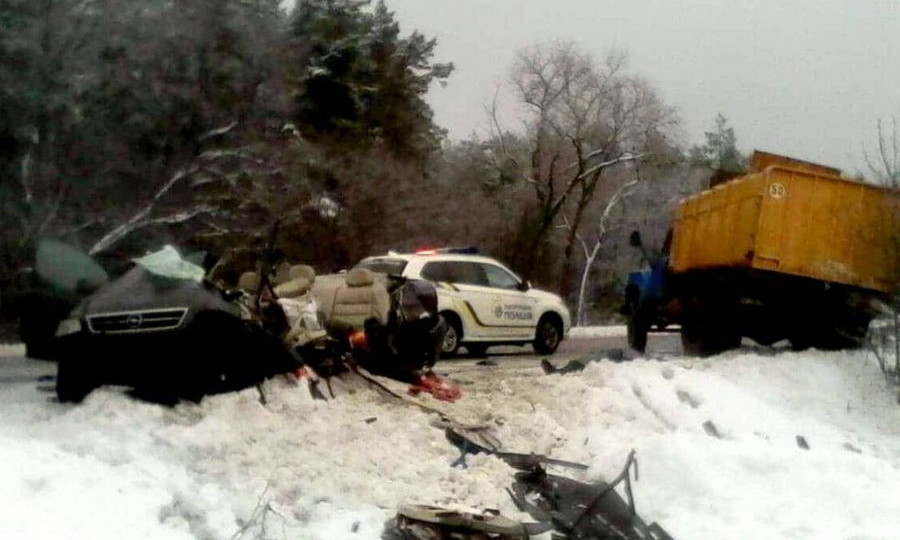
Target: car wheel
{"points": [[477, 350], [547, 335], [452, 335], [74, 382], [221, 358]]}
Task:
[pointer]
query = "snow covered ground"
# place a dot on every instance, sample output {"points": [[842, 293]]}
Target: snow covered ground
{"points": [[717, 440], [588, 332]]}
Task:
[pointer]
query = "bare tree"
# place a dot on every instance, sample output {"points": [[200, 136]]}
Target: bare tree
{"points": [[885, 168], [885, 164], [592, 248], [581, 119]]}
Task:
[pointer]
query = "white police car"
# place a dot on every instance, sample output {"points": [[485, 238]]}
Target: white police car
{"points": [[483, 302]]}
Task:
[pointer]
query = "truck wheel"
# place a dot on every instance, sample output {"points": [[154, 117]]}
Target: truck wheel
{"points": [[74, 382], [708, 341], [706, 330], [638, 326], [840, 338], [692, 341]]}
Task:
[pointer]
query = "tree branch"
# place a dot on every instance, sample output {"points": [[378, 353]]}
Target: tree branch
{"points": [[624, 158], [218, 131], [134, 222], [492, 112]]}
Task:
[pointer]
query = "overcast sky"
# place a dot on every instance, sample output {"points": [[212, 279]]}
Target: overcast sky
{"points": [[807, 78]]}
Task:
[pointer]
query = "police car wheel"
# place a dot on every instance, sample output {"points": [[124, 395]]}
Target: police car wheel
{"points": [[547, 336], [450, 341]]}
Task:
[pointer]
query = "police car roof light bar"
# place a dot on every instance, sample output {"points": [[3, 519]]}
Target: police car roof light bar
{"points": [[468, 250]]}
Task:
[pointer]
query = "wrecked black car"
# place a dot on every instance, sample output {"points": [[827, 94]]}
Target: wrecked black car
{"points": [[168, 333], [62, 276]]}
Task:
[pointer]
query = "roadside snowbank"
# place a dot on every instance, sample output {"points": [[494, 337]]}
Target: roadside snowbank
{"points": [[587, 332], [717, 444], [16, 349]]}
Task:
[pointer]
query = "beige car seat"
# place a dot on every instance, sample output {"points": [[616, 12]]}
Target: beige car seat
{"points": [[282, 273], [249, 282], [301, 279], [300, 306], [323, 290], [303, 271], [360, 298]]}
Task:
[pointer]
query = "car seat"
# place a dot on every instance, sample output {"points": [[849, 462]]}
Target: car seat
{"points": [[303, 271], [249, 282], [360, 298], [281, 273], [301, 279]]}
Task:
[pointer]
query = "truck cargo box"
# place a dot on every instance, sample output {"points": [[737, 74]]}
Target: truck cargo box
{"points": [[796, 219]]}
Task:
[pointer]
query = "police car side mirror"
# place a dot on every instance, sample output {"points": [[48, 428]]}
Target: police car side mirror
{"points": [[524, 285]]}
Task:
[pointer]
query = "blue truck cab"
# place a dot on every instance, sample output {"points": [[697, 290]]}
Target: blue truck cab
{"points": [[646, 293], [646, 287]]}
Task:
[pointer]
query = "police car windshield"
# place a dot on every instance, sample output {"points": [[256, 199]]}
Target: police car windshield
{"points": [[384, 266]]}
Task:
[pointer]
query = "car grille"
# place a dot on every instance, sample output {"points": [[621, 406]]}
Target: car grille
{"points": [[130, 322]]}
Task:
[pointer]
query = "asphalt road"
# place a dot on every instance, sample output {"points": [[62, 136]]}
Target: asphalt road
{"points": [[658, 345], [464, 366]]}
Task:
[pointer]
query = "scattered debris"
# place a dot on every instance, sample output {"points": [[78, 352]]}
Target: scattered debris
{"points": [[711, 430], [685, 397], [850, 447], [578, 364], [576, 510], [488, 444], [801, 442], [421, 522], [436, 386]]}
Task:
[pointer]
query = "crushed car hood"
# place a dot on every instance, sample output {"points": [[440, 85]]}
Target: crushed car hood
{"points": [[140, 289]]}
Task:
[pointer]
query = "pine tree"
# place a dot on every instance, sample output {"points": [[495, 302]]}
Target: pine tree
{"points": [[359, 81], [720, 151]]}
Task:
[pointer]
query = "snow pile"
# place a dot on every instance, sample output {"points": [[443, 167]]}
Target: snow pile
{"points": [[719, 441], [590, 332], [740, 446], [17, 349]]}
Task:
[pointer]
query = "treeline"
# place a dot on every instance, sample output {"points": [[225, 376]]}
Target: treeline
{"points": [[125, 125]]}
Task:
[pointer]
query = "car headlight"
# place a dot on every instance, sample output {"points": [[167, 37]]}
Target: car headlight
{"points": [[68, 326]]}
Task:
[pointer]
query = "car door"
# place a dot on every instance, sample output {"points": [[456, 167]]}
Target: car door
{"points": [[517, 309], [480, 303]]}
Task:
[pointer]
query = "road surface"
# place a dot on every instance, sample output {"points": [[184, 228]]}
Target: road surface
{"points": [[615, 345]]}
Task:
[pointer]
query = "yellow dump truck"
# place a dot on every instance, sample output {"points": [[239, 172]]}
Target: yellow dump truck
{"points": [[789, 251]]}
